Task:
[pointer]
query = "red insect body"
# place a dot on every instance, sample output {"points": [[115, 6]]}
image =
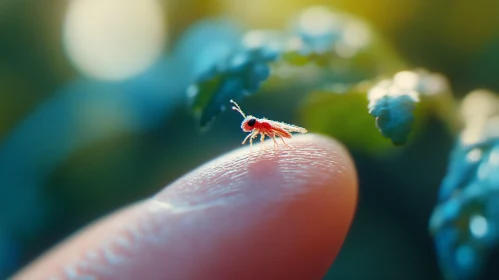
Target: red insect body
{"points": [[264, 127]]}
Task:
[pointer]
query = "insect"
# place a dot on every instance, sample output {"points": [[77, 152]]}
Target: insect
{"points": [[265, 127]]}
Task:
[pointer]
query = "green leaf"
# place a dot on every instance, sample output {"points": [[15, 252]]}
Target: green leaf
{"points": [[239, 74], [341, 49], [465, 222], [395, 102], [340, 112], [393, 109]]}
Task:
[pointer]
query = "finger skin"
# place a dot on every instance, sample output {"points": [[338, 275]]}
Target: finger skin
{"points": [[246, 215]]}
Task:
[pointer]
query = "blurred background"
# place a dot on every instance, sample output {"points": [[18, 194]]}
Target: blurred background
{"points": [[94, 114]]}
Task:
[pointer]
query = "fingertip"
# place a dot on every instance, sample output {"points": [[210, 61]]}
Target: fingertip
{"points": [[267, 212], [246, 215]]}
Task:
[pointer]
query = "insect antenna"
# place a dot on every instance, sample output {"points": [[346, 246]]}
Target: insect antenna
{"points": [[237, 108]]}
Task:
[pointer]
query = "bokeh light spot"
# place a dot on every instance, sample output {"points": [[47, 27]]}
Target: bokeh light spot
{"points": [[357, 35], [114, 39], [474, 155], [494, 156], [317, 21], [406, 79], [479, 226]]}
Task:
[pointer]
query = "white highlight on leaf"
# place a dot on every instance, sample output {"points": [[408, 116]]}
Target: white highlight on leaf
{"points": [[317, 21], [480, 112], [494, 156], [433, 84], [347, 34], [406, 80], [389, 88], [259, 38], [474, 155], [422, 81]]}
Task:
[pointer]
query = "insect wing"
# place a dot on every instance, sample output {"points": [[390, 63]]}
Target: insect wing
{"points": [[288, 127]]}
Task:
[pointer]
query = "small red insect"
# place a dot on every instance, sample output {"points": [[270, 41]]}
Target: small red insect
{"points": [[265, 127]]}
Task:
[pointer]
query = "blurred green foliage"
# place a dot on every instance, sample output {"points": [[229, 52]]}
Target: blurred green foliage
{"points": [[241, 74], [342, 114], [49, 119], [465, 222], [322, 48]]}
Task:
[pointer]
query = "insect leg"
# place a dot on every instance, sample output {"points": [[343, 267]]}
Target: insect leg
{"points": [[284, 142], [276, 145], [246, 139], [253, 136], [261, 141]]}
